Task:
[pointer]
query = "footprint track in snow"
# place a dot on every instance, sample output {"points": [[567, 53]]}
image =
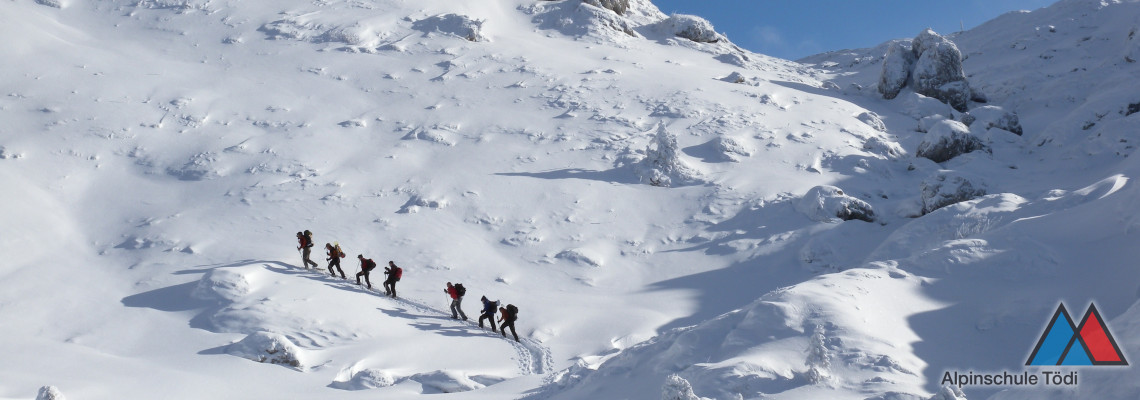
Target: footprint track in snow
{"points": [[532, 357]]}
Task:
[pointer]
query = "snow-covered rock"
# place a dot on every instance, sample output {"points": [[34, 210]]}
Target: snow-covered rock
{"points": [[735, 77], [885, 148], [992, 117], [873, 120], [693, 28], [918, 106], [50, 3], [948, 187], [948, 139], [618, 6], [265, 347], [826, 203], [453, 24], [50, 393], [896, 69], [732, 149]]}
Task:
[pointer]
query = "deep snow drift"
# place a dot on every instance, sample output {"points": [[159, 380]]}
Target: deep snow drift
{"points": [[674, 217]]}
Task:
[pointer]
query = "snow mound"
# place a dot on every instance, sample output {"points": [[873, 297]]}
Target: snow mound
{"points": [[265, 347], [453, 24], [451, 382], [826, 203], [918, 106], [949, 187], [948, 139], [366, 379], [223, 285], [50, 393]]}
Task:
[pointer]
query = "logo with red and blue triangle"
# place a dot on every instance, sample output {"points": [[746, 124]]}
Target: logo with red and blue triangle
{"points": [[1065, 343]]}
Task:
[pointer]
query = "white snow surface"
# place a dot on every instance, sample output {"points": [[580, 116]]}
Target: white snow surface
{"points": [[159, 156]]}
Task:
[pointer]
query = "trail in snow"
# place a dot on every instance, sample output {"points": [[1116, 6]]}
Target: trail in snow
{"points": [[534, 358]]}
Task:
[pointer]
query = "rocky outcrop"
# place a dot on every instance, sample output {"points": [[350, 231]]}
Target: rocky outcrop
{"points": [[932, 68]]}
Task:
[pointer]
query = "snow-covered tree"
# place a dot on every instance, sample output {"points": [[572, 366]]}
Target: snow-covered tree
{"points": [[818, 357], [50, 393], [677, 388], [662, 165]]}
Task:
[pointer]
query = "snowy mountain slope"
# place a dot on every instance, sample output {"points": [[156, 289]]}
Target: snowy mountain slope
{"points": [[166, 151], [171, 139]]}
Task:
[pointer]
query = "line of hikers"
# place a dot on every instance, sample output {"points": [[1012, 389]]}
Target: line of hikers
{"points": [[508, 314]]}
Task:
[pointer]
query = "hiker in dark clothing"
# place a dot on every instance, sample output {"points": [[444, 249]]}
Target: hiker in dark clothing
{"points": [[394, 273], [366, 266], [305, 244], [488, 313], [334, 256], [456, 292], [509, 315]]}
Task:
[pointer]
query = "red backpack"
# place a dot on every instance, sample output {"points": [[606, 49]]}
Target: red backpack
{"points": [[399, 272]]}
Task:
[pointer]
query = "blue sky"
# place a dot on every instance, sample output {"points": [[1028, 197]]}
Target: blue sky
{"points": [[794, 29]]}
